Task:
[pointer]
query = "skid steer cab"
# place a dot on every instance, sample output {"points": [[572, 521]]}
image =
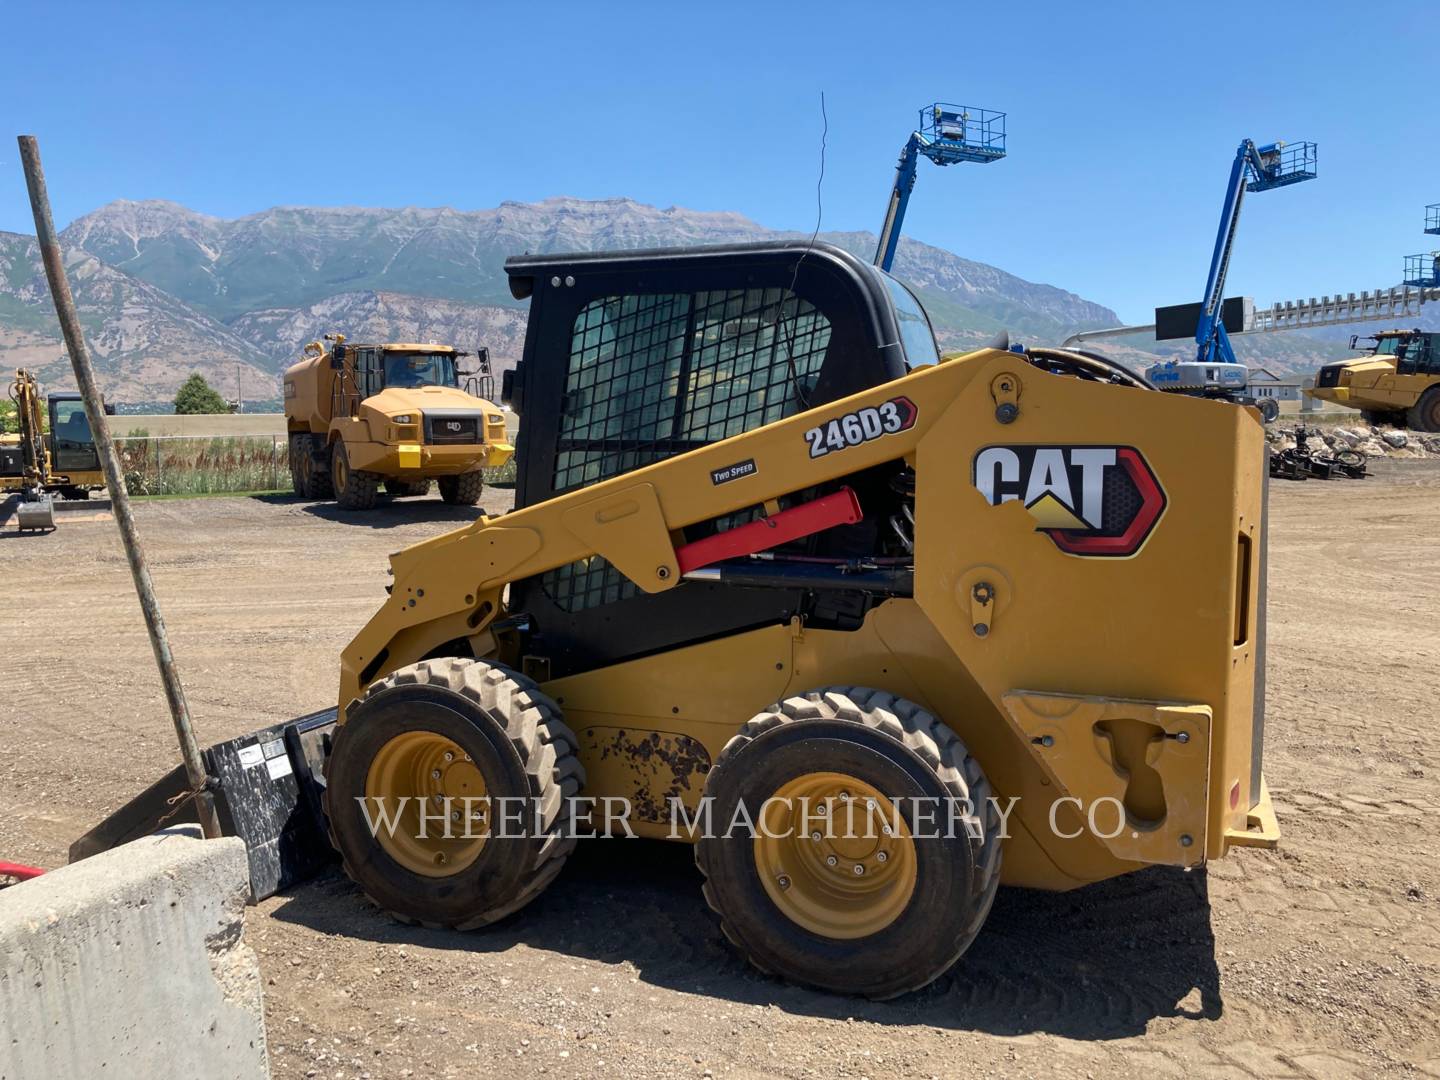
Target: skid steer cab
{"points": [[875, 629]]}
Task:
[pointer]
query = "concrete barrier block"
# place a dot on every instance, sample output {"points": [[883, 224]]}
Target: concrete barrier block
{"points": [[131, 965]]}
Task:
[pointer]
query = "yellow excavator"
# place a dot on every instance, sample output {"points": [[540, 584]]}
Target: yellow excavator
{"points": [[876, 630], [38, 463]]}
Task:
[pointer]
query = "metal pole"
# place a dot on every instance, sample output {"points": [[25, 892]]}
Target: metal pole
{"points": [[115, 481]]}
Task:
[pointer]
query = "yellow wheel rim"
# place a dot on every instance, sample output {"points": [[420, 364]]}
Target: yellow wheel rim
{"points": [[422, 771], [834, 856], [338, 470]]}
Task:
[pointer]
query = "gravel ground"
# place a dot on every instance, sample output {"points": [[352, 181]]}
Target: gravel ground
{"points": [[1320, 959]]}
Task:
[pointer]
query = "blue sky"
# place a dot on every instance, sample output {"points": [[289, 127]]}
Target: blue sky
{"points": [[1123, 120]]}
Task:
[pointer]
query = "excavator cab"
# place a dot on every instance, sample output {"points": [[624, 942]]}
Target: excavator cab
{"points": [[72, 444]]}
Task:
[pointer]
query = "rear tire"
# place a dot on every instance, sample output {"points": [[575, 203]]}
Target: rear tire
{"points": [[302, 466], [354, 490], [1424, 415], [1269, 410], [321, 486], [504, 731], [402, 489], [462, 490], [876, 944], [1376, 419]]}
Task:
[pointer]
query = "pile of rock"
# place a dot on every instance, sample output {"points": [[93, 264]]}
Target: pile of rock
{"points": [[1370, 441]]}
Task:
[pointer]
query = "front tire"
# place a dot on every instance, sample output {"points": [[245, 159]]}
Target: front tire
{"points": [[453, 729], [462, 490], [1424, 415], [354, 490], [798, 906]]}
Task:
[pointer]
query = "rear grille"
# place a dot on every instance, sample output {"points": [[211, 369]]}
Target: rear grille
{"points": [[1329, 375], [452, 429]]}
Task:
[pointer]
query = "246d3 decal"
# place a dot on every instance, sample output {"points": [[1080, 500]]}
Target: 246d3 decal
{"points": [[862, 426], [1098, 501]]}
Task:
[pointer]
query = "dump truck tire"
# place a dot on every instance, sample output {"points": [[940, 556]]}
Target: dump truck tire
{"points": [[301, 465], [321, 486], [354, 490], [462, 490], [1269, 410], [406, 488], [506, 740], [1424, 415], [790, 906]]}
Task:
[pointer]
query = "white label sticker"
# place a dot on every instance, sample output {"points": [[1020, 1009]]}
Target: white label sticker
{"points": [[252, 755], [278, 767]]}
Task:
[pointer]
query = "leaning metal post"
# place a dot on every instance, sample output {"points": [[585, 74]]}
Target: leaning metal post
{"points": [[115, 481]]}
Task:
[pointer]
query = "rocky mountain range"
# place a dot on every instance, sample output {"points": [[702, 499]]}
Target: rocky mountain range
{"points": [[165, 290]]}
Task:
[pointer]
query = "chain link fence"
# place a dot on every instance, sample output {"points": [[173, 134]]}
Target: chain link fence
{"points": [[216, 464]]}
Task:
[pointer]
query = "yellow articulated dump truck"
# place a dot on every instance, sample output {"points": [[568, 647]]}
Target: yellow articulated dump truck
{"points": [[1398, 382], [363, 415], [876, 630]]}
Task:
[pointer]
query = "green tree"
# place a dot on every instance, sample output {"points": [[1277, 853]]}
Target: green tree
{"points": [[198, 396]]}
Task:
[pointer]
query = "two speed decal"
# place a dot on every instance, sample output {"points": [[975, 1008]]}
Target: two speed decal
{"points": [[862, 426]]}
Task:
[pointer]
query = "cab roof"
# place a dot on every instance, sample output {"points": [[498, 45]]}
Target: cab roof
{"points": [[524, 270]]}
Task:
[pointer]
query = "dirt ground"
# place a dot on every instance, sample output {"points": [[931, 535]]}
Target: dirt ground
{"points": [[1321, 959]]}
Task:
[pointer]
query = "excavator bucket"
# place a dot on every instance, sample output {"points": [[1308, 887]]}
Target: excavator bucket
{"points": [[35, 515]]}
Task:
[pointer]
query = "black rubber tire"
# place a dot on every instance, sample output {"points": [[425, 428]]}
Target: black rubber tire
{"points": [[462, 490], [354, 490], [515, 735], [403, 489], [1376, 419], [321, 486], [1424, 415], [302, 466], [1269, 410], [900, 749]]}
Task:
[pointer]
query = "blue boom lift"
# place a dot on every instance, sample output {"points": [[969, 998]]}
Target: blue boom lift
{"points": [[947, 134], [1215, 372]]}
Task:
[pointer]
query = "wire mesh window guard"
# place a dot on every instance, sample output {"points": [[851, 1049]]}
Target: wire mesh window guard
{"points": [[654, 376]]}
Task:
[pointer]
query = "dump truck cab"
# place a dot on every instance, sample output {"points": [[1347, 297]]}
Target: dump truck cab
{"points": [[401, 414], [1396, 382]]}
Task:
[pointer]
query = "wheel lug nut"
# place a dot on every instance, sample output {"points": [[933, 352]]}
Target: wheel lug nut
{"points": [[887, 830], [882, 857], [831, 860], [783, 881], [815, 836], [455, 815], [859, 869], [435, 774], [449, 755]]}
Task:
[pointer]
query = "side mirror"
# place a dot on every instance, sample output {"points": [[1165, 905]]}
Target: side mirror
{"points": [[482, 358], [109, 409]]}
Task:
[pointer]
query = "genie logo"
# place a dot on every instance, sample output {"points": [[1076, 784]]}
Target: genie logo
{"points": [[1095, 501]]}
